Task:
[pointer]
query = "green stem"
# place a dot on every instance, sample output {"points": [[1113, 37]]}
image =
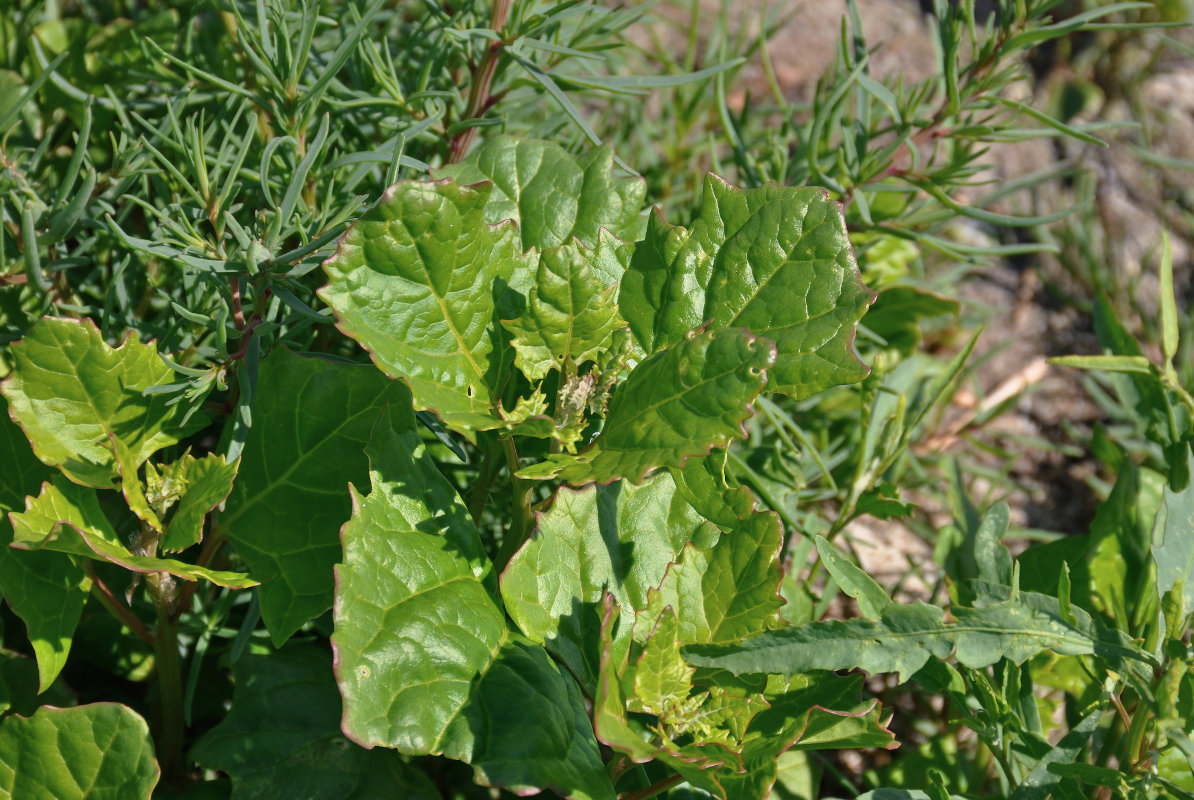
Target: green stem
{"points": [[479, 99], [170, 696], [520, 525]]}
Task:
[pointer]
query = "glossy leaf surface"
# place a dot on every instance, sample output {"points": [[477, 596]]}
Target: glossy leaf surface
{"points": [[774, 260], [94, 752], [311, 423]]}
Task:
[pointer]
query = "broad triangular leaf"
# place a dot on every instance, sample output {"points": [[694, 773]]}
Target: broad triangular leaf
{"points": [[774, 260], [727, 592], [204, 483], [569, 319], [282, 739], [311, 422], [616, 539], [679, 402], [552, 195], [425, 659], [421, 281], [67, 518], [70, 392], [102, 750]]}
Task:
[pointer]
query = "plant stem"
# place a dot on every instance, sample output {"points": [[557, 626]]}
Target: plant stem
{"points": [[653, 789], [122, 612], [478, 95], [170, 698], [520, 526]]}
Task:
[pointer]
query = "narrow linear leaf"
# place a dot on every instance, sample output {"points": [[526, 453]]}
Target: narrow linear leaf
{"points": [[311, 422], [872, 600], [680, 402]]}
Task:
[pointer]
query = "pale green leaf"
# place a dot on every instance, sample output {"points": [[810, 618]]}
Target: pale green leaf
{"points": [[552, 195], [311, 422], [774, 260], [67, 518], [421, 281], [282, 738], [726, 592], [1173, 543], [100, 751], [425, 659], [662, 679], [205, 483], [569, 319], [853, 581], [70, 392], [680, 402], [616, 539]]}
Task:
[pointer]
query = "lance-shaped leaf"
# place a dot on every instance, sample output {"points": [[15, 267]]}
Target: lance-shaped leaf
{"points": [[569, 318], [282, 738], [727, 592], [71, 392], [46, 590], [67, 518], [205, 483], [903, 638], [425, 659], [1173, 543], [93, 751], [775, 260], [616, 539], [420, 281], [679, 402], [551, 194], [311, 422]]}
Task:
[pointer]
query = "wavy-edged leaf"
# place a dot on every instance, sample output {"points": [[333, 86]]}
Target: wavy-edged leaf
{"points": [[46, 590], [552, 195], [679, 402], [70, 392], [774, 260], [726, 592], [102, 750], [421, 281], [616, 539], [703, 483], [205, 483], [312, 420], [904, 637], [425, 659], [282, 738], [67, 518], [569, 318]]}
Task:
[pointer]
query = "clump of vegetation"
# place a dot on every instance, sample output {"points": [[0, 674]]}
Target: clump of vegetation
{"points": [[364, 436]]}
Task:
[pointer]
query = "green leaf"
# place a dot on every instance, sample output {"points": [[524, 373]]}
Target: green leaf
{"points": [[904, 637], [311, 422], [702, 482], [619, 539], [775, 260], [679, 402], [70, 392], [569, 318], [662, 680], [204, 483], [896, 314], [1173, 543], [726, 592], [872, 600], [425, 659], [552, 195], [67, 518], [1042, 780], [282, 738], [420, 281], [102, 750]]}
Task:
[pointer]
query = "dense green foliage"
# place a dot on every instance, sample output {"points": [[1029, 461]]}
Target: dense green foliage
{"points": [[363, 434]]}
